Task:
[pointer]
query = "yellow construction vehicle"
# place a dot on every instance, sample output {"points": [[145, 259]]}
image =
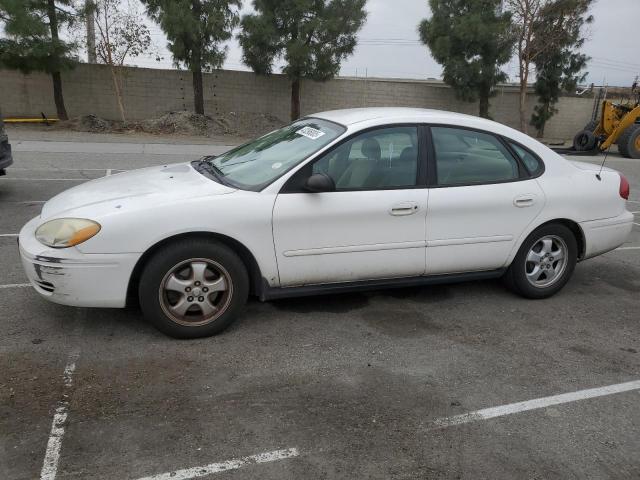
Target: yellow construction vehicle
{"points": [[611, 123]]}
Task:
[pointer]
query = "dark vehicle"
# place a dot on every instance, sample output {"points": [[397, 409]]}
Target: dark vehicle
{"points": [[5, 149]]}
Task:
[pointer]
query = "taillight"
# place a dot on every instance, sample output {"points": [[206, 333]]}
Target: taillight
{"points": [[624, 187]]}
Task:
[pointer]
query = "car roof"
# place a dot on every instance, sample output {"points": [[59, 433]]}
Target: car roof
{"points": [[357, 118], [351, 116]]}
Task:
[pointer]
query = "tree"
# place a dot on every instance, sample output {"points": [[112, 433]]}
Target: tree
{"points": [[471, 40], [121, 35], [311, 36], [525, 15], [195, 29], [529, 28], [33, 43], [558, 67], [90, 8]]}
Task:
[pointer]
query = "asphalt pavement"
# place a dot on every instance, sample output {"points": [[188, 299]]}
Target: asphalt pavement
{"points": [[384, 385]]}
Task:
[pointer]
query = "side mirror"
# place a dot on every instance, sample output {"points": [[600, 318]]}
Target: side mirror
{"points": [[320, 182]]}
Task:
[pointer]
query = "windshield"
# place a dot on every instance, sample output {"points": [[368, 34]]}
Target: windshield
{"points": [[256, 164]]}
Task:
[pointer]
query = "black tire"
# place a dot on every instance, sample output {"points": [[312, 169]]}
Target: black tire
{"points": [[182, 256], [584, 141], [629, 142], [591, 126], [516, 276]]}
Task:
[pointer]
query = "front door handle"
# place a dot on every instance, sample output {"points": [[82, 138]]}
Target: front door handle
{"points": [[524, 201], [404, 208]]}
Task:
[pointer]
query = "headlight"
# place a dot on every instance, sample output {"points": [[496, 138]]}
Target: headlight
{"points": [[66, 232]]}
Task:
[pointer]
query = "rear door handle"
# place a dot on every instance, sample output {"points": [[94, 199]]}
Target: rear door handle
{"points": [[404, 208], [524, 201]]}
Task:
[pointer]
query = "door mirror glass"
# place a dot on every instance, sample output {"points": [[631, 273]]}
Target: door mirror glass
{"points": [[320, 182]]}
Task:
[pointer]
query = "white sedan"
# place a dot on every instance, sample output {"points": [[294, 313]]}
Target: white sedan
{"points": [[341, 200]]}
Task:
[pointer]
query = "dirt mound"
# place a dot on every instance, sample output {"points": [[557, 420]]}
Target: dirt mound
{"points": [[183, 123], [88, 123], [232, 123], [188, 123], [250, 124]]}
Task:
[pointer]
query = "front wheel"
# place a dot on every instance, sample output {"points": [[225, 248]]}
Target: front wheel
{"points": [[544, 263], [629, 142], [193, 288]]}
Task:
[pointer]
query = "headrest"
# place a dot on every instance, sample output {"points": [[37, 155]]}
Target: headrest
{"points": [[371, 149], [409, 154]]}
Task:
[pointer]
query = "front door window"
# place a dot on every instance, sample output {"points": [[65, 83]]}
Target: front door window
{"points": [[374, 160]]}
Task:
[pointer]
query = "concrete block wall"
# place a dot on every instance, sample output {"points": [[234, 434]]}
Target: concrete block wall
{"points": [[573, 115], [149, 93], [20, 94], [234, 91]]}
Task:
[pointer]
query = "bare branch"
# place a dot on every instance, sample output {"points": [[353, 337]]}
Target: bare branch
{"points": [[121, 35]]}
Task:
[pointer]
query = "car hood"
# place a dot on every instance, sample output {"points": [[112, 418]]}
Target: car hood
{"points": [[153, 185]]}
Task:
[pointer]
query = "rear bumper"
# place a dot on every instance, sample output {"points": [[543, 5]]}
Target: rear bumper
{"points": [[70, 277], [607, 234]]}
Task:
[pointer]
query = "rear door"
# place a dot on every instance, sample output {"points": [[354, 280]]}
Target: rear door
{"points": [[481, 200]]}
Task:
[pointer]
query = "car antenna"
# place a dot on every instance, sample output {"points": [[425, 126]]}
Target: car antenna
{"points": [[606, 154]]}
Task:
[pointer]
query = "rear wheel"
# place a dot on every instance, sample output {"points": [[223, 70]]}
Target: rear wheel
{"points": [[544, 263], [629, 142], [193, 288]]}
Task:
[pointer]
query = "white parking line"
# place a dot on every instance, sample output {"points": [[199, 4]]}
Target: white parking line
{"points": [[537, 403], [52, 455], [8, 234], [195, 150], [59, 169], [108, 173], [15, 285], [628, 248], [234, 464], [22, 179]]}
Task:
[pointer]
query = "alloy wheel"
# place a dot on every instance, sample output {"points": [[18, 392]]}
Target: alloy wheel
{"points": [[546, 261], [195, 292]]}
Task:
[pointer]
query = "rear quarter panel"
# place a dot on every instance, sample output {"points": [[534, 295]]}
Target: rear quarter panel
{"points": [[576, 194]]}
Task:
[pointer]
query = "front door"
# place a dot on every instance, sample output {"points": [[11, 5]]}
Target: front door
{"points": [[371, 227]]}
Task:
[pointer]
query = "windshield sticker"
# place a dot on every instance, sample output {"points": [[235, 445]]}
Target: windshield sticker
{"points": [[276, 165], [310, 132]]}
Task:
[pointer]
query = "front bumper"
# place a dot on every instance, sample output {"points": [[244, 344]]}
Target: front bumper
{"points": [[607, 234], [70, 277]]}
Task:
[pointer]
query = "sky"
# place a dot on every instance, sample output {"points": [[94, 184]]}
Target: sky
{"points": [[389, 44]]}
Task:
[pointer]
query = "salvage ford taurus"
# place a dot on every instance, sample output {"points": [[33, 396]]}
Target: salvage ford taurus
{"points": [[339, 200]]}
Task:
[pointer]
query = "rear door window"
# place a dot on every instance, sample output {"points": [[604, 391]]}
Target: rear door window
{"points": [[468, 157]]}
